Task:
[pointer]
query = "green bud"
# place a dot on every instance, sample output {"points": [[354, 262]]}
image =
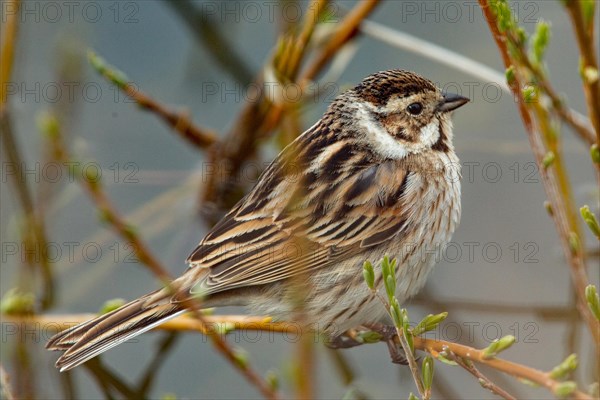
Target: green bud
{"points": [[595, 153], [92, 176], [528, 382], [530, 94], [16, 302], [369, 274], [540, 40], [109, 72], [130, 231], [429, 323], [369, 337], [564, 368], [589, 75], [396, 314], [207, 311], [410, 340], [223, 328], [510, 75], [388, 268], [548, 207], [390, 287], [498, 346], [443, 357], [427, 372], [574, 243], [104, 216], [548, 159], [411, 396], [521, 37], [240, 357], [111, 305], [272, 379], [564, 389], [593, 300], [503, 14], [590, 219], [48, 124], [405, 320], [587, 9], [385, 267]]}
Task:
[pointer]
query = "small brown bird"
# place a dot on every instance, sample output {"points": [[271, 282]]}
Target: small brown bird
{"points": [[376, 175]]}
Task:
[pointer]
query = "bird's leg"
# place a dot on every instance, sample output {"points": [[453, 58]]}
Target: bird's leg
{"points": [[388, 334], [344, 341]]}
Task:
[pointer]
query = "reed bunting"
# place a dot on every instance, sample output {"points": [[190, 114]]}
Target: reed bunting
{"points": [[376, 175]]}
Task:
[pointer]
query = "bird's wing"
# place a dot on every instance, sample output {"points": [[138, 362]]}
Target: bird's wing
{"points": [[304, 215]]}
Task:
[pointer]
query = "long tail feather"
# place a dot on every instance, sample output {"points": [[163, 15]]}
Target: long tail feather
{"points": [[91, 338]]}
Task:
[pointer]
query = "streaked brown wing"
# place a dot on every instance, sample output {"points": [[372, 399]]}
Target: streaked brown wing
{"points": [[291, 222]]}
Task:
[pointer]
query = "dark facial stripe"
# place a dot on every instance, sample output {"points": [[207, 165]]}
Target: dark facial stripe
{"points": [[441, 144]]}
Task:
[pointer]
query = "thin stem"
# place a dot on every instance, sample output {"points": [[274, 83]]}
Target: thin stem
{"points": [[5, 384], [559, 214], [7, 51], [587, 48], [483, 380], [412, 363], [346, 31], [259, 323], [435, 347]]}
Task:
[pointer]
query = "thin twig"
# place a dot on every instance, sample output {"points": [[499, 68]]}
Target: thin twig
{"points": [[483, 380], [5, 384], [408, 352], [587, 48], [202, 138], [180, 122], [7, 51], [346, 31], [412, 363], [258, 323], [559, 214], [435, 347]]}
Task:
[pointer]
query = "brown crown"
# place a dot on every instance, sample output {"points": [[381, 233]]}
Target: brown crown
{"points": [[378, 88]]}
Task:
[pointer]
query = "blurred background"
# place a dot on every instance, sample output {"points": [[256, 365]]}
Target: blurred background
{"points": [[504, 272]]}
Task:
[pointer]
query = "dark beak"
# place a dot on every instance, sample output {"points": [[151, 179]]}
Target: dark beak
{"points": [[451, 102]]}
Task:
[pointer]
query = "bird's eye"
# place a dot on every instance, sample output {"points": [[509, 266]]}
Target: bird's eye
{"points": [[415, 108]]}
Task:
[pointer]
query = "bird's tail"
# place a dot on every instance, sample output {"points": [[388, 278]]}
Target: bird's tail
{"points": [[93, 337]]}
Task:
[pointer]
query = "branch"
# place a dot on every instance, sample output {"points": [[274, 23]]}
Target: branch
{"points": [[7, 52], [585, 41], [5, 384], [257, 323], [346, 31], [435, 347], [559, 211], [483, 380], [180, 122]]}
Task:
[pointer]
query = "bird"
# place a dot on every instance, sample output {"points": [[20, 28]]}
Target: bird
{"points": [[377, 175]]}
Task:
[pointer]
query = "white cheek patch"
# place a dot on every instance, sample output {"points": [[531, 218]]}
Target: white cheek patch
{"points": [[379, 139], [430, 133]]}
